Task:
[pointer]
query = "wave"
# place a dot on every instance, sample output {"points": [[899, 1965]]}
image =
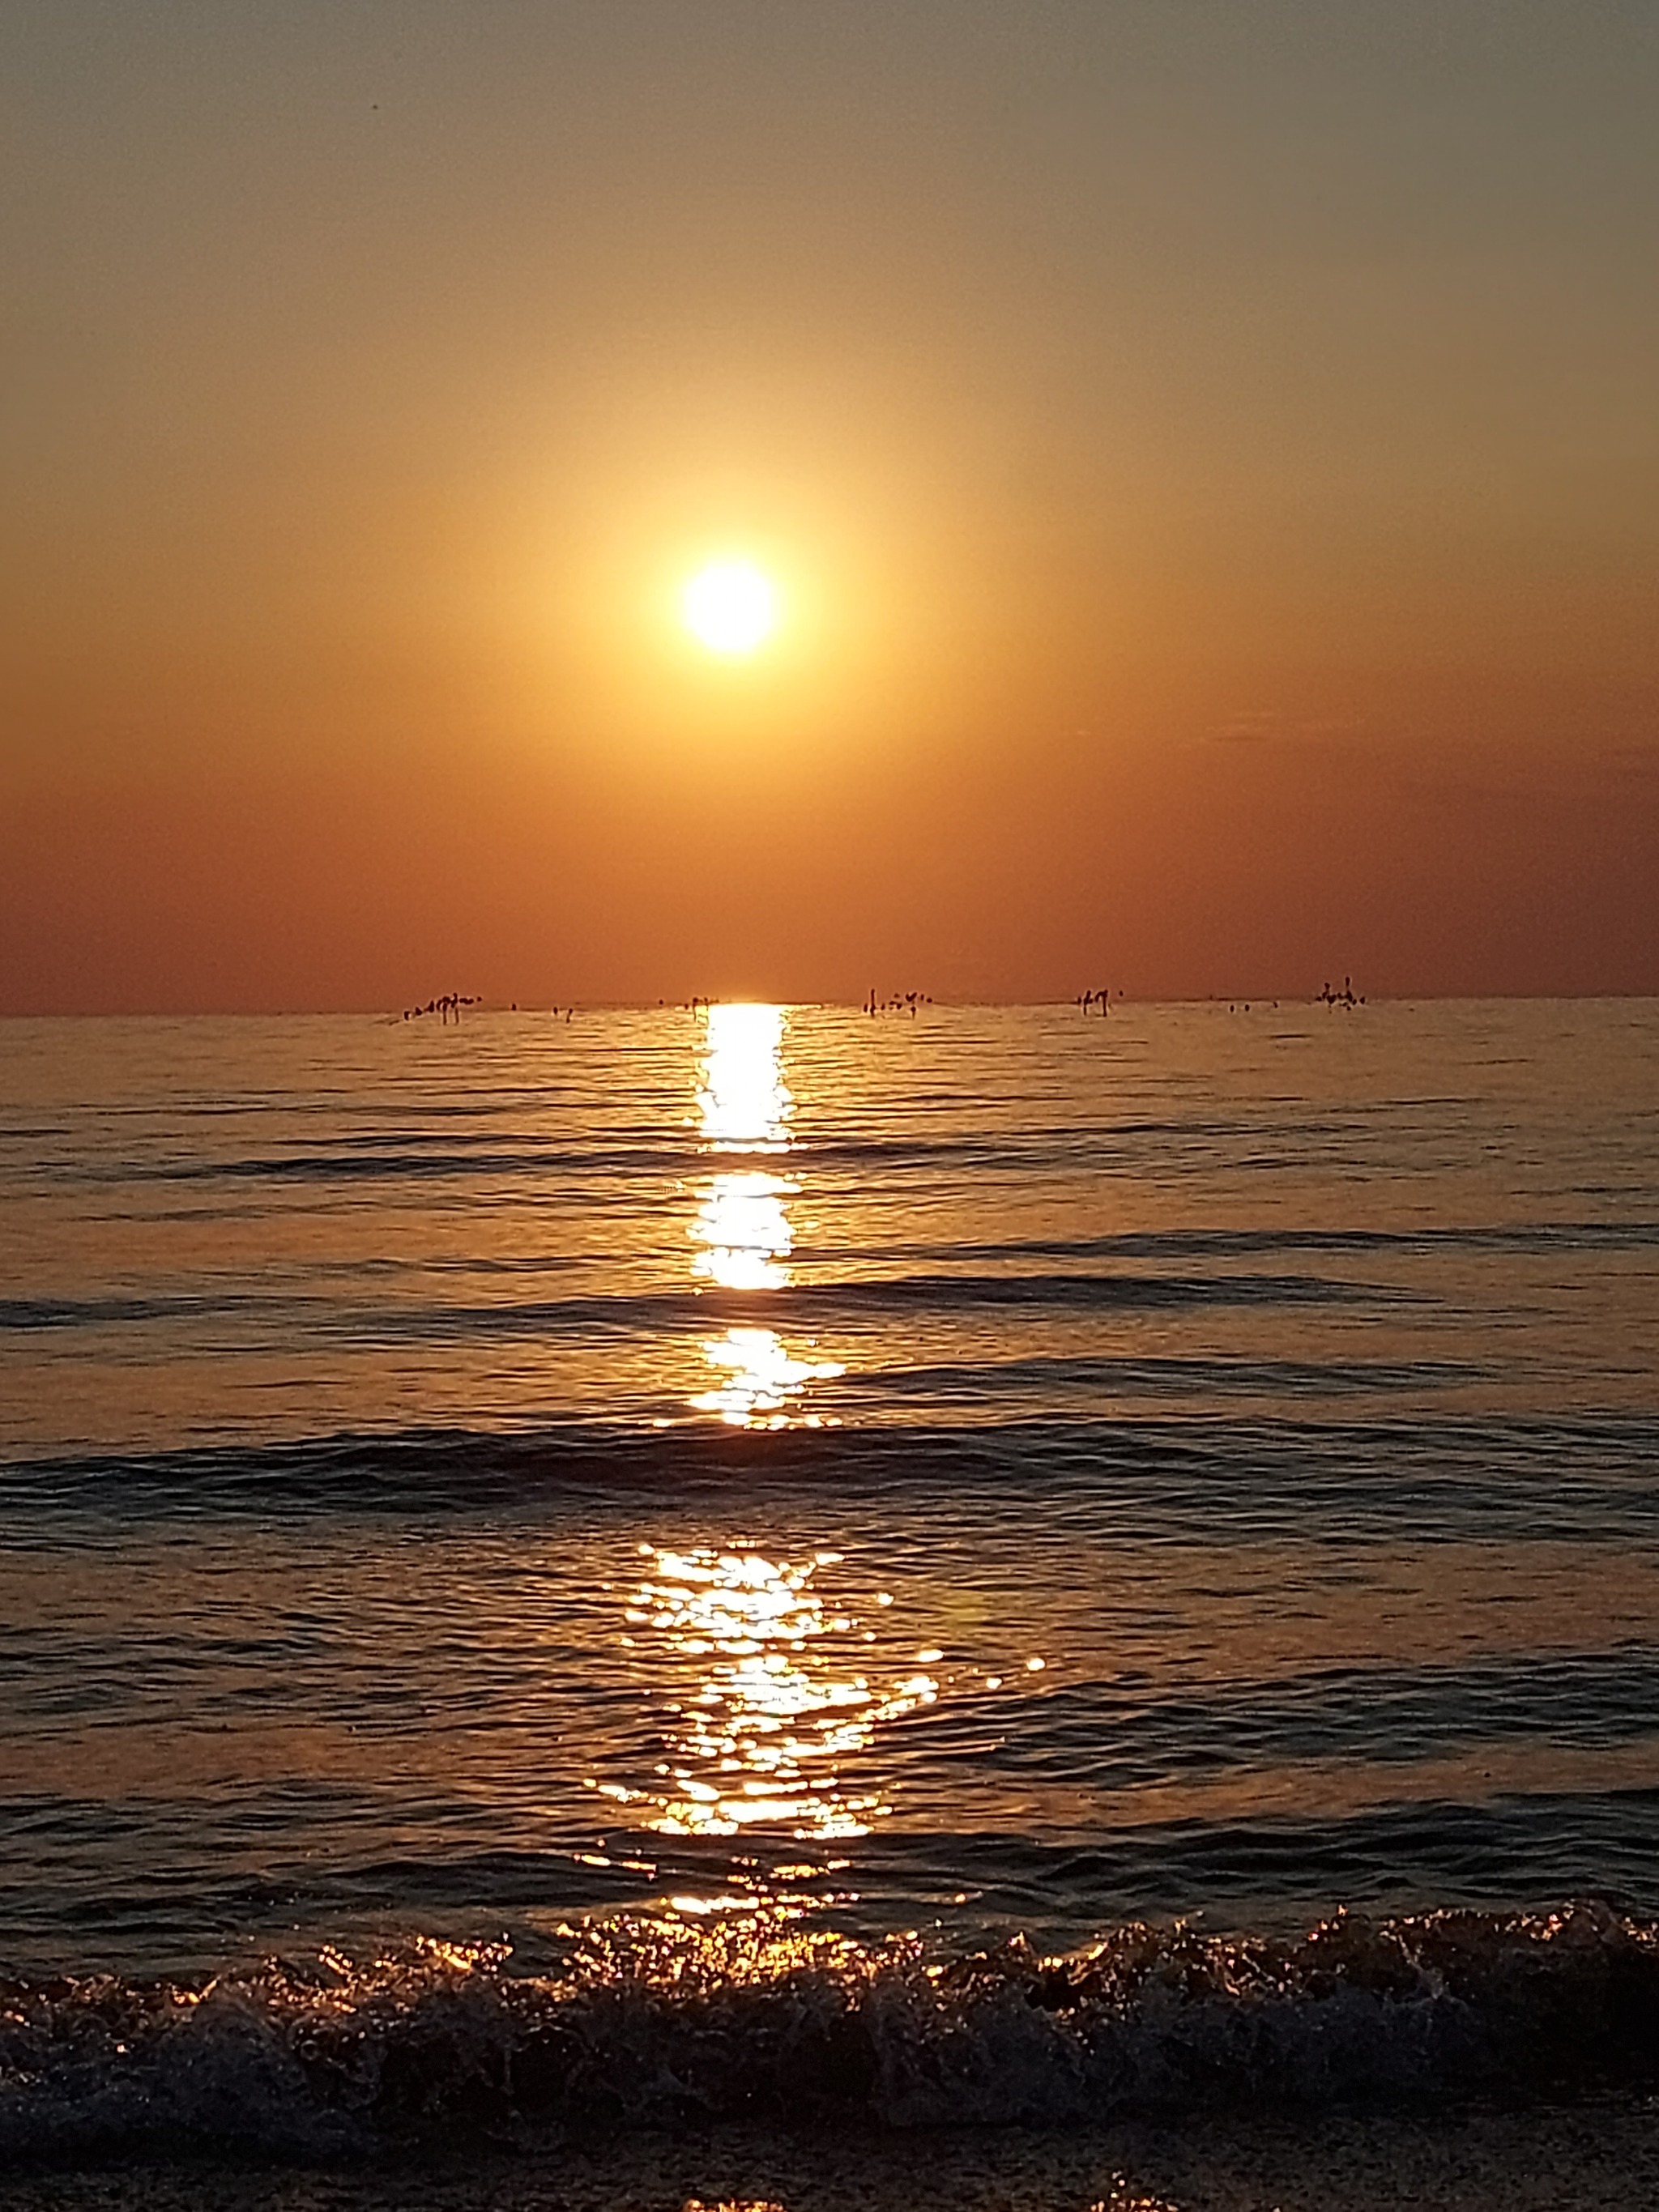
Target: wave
{"points": [[443, 1156], [1586, 1478], [649, 2023], [1212, 1243], [821, 1304]]}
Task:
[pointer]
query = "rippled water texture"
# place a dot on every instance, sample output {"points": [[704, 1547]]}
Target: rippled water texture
{"points": [[1000, 1469]]}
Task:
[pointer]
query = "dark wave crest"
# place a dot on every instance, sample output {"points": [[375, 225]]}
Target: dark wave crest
{"points": [[651, 2024], [1568, 1479]]}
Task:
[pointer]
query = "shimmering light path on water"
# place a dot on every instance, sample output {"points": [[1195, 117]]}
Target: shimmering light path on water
{"points": [[743, 1222], [1000, 1469]]}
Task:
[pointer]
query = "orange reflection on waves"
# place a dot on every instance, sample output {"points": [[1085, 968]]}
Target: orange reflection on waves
{"points": [[742, 1098], [745, 1230], [763, 1380], [776, 1708], [742, 1222]]}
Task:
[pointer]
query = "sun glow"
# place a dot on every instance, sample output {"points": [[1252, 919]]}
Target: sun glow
{"points": [[730, 607]]}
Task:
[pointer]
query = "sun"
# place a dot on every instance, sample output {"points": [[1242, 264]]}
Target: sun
{"points": [[730, 607]]}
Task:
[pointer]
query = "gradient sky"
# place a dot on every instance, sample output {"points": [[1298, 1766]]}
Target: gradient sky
{"points": [[1209, 449]]}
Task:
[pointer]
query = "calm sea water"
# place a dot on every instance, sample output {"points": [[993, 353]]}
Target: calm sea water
{"points": [[658, 1498]]}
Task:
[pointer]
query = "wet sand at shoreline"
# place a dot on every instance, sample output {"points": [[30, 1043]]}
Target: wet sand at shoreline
{"points": [[1584, 2159]]}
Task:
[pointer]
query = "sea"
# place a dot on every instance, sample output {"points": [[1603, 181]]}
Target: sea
{"points": [[621, 1568]]}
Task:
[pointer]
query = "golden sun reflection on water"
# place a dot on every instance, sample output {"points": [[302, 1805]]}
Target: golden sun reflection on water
{"points": [[745, 1230], [743, 1099], [763, 1380], [782, 1696], [742, 1222]]}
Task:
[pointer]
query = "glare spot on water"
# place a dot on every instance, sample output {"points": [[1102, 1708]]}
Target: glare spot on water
{"points": [[760, 1736], [743, 1101], [745, 1231], [763, 1379], [742, 1225]]}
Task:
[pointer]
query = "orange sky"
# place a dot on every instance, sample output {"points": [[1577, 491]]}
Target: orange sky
{"points": [[1209, 453]]}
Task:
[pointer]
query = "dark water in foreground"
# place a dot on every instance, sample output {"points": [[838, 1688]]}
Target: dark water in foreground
{"points": [[607, 1569]]}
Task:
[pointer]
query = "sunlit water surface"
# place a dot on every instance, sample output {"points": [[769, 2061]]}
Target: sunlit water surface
{"points": [[1004, 1468]]}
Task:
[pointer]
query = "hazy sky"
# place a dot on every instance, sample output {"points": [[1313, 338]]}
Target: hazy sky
{"points": [[1208, 451]]}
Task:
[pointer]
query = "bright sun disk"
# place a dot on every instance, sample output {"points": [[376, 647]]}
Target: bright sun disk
{"points": [[730, 606]]}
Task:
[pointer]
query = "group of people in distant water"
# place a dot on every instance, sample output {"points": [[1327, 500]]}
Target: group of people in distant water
{"points": [[1344, 998], [449, 1008]]}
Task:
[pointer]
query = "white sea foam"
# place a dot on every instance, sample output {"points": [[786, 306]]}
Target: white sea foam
{"points": [[647, 2023]]}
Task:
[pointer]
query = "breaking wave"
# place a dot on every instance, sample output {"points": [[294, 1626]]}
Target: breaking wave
{"points": [[648, 2022]]}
